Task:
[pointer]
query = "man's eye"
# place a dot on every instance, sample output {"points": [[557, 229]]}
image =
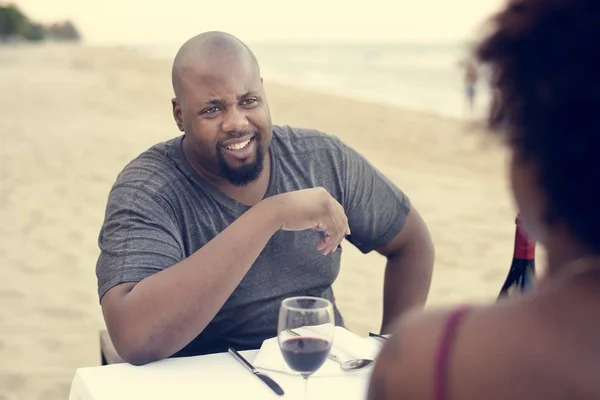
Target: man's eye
{"points": [[211, 111], [249, 102]]}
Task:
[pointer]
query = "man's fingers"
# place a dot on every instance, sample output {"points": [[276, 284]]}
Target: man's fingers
{"points": [[324, 245], [344, 228], [320, 226], [336, 229], [329, 242], [344, 219], [336, 240]]}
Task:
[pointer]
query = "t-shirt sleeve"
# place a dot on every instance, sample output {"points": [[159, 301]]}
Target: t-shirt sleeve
{"points": [[376, 208], [139, 238]]}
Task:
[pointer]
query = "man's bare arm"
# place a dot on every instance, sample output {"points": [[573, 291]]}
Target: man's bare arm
{"points": [[408, 271], [158, 316]]}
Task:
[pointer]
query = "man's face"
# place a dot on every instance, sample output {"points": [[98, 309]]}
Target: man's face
{"points": [[223, 110]]}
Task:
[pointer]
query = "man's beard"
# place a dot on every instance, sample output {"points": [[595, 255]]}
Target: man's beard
{"points": [[244, 175]]}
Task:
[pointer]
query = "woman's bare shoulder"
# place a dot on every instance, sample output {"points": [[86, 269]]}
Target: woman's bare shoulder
{"points": [[404, 368], [484, 338]]}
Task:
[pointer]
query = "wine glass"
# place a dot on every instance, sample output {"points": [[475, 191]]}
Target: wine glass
{"points": [[305, 334]]}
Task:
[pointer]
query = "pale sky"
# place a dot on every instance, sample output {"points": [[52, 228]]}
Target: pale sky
{"points": [[174, 21]]}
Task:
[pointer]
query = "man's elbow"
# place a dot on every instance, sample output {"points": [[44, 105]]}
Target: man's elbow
{"points": [[140, 357], [131, 337], [137, 350]]}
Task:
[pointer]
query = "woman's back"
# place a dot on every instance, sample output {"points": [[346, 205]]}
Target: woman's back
{"points": [[539, 346], [542, 345]]}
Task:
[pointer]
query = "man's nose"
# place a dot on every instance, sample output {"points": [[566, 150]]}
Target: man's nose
{"points": [[234, 121]]}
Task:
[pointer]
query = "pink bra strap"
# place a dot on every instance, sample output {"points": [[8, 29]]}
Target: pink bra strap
{"points": [[440, 379]]}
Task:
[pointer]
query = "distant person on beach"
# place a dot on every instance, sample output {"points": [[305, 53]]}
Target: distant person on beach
{"points": [[205, 234], [471, 77], [545, 65]]}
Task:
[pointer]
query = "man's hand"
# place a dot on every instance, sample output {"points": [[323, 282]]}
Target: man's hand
{"points": [[313, 209]]}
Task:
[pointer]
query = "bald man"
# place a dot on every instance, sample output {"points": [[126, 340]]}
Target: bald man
{"points": [[206, 234]]}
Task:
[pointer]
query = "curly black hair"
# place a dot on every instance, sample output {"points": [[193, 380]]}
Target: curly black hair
{"points": [[544, 59]]}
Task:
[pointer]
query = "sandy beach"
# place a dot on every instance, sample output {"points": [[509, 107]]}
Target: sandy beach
{"points": [[73, 116]]}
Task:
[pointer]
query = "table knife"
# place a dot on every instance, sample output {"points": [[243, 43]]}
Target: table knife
{"points": [[262, 376], [378, 336]]}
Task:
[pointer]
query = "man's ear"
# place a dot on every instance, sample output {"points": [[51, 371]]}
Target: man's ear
{"points": [[177, 115]]}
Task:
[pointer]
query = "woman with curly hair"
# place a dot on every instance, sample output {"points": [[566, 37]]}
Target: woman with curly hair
{"points": [[544, 56]]}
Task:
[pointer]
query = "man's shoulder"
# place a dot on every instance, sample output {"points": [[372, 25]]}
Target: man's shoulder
{"points": [[306, 140], [152, 168]]}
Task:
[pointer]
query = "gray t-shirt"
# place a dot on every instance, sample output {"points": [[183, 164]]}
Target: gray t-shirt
{"points": [[160, 211]]}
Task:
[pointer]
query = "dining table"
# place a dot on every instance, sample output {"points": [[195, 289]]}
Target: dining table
{"points": [[213, 376]]}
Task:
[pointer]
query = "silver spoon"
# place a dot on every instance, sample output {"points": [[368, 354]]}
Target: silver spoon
{"points": [[351, 365]]}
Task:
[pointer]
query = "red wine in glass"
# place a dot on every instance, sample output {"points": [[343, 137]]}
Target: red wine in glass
{"points": [[305, 354], [305, 334], [521, 275]]}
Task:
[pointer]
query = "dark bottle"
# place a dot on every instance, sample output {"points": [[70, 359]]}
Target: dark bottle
{"points": [[521, 275]]}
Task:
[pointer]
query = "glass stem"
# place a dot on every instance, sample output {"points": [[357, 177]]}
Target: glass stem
{"points": [[305, 387]]}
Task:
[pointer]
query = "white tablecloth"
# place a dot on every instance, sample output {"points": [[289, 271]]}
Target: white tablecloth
{"points": [[215, 376]]}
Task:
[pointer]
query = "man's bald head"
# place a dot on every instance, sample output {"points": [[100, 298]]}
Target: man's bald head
{"points": [[220, 102], [210, 51]]}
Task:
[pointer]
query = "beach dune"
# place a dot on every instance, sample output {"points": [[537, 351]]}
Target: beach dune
{"points": [[73, 116]]}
